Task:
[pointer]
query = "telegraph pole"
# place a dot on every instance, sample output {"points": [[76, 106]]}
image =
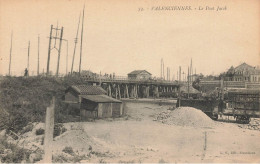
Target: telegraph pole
{"points": [[179, 73], [188, 78], [76, 41], [58, 64], [28, 60], [161, 68], [49, 52], [38, 66], [67, 57], [10, 60], [163, 71], [191, 71], [81, 41], [57, 49], [169, 74]]}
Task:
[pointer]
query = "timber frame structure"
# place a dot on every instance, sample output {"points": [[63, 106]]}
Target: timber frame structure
{"points": [[137, 88]]}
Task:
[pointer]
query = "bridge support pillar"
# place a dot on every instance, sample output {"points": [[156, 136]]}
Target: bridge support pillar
{"points": [[132, 91], [156, 92], [127, 93], [119, 93], [147, 91], [136, 91], [109, 90], [116, 92]]}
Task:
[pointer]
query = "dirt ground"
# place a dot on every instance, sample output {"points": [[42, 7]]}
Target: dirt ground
{"points": [[139, 138]]}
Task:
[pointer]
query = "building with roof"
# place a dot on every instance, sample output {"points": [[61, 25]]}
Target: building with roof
{"points": [[140, 75], [93, 102], [243, 72]]}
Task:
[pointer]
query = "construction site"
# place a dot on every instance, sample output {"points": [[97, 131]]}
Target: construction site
{"points": [[67, 103]]}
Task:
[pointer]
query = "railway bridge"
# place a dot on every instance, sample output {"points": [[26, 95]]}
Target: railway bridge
{"points": [[123, 87]]}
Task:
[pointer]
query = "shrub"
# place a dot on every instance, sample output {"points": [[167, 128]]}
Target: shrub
{"points": [[42, 141], [68, 150], [61, 158], [58, 130], [19, 105], [28, 128], [2, 149], [16, 154], [39, 131]]}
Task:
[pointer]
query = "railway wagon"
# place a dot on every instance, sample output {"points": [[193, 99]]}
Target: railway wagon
{"points": [[242, 104]]}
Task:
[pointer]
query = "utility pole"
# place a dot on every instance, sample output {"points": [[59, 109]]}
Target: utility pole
{"points": [[28, 60], [56, 35], [166, 73], [58, 64], [67, 57], [191, 72], [188, 78], [38, 66], [57, 49], [179, 73], [163, 72], [10, 60], [81, 41], [161, 67], [49, 52], [75, 41], [169, 74]]}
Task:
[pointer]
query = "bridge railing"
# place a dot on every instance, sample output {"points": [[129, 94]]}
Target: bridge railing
{"points": [[125, 78]]}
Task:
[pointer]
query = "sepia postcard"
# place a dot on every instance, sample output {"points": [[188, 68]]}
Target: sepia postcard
{"points": [[129, 81]]}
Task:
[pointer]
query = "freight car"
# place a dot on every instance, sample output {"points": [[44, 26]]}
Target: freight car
{"points": [[241, 103]]}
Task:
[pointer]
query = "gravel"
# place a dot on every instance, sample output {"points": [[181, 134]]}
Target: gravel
{"points": [[254, 124], [185, 116]]}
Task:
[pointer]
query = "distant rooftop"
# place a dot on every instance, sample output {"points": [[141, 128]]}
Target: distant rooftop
{"points": [[88, 90], [136, 72], [101, 99]]}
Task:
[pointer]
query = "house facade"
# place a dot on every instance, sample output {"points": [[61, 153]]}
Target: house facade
{"points": [[243, 72]]}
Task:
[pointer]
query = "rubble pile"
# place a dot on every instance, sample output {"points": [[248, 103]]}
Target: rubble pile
{"points": [[254, 124], [164, 115], [185, 116]]}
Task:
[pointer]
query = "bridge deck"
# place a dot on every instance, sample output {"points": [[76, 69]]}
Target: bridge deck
{"points": [[133, 81]]}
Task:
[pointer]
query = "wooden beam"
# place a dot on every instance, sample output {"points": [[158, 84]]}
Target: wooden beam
{"points": [[48, 136], [119, 93], [81, 40], [116, 92], [127, 93], [49, 52]]}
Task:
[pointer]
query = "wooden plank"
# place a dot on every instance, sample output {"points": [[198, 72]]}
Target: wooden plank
{"points": [[49, 128], [119, 93]]}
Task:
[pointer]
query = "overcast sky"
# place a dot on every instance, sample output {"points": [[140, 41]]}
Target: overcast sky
{"points": [[119, 38]]}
